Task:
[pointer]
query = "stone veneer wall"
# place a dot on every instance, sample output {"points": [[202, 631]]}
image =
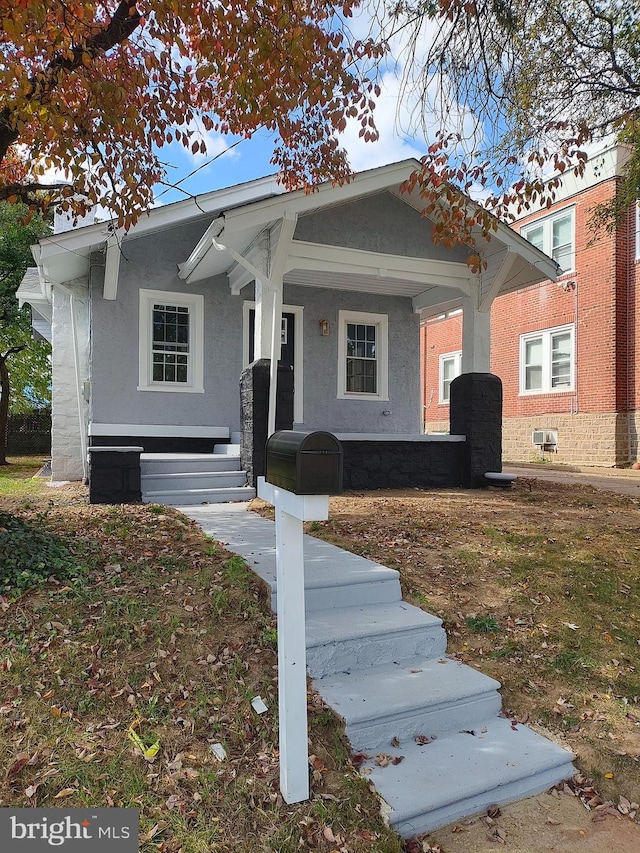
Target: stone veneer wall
{"points": [[401, 464], [66, 444], [436, 426], [584, 439], [634, 437]]}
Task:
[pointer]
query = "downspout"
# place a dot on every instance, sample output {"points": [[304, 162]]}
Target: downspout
{"points": [[76, 365]]}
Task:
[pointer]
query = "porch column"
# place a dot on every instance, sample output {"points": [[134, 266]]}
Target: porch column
{"points": [[268, 307], [476, 337]]}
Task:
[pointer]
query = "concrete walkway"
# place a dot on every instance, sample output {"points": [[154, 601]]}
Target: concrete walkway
{"points": [[435, 745]]}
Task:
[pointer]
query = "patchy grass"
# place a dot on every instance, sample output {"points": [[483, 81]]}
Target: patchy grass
{"points": [[539, 587], [165, 635], [16, 478]]}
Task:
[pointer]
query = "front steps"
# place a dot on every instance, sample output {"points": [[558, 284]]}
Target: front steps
{"points": [[380, 663], [194, 478]]}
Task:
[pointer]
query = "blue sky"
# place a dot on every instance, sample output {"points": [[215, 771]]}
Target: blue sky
{"points": [[227, 163]]}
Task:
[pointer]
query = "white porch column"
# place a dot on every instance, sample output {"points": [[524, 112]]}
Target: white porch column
{"points": [[268, 306], [476, 337]]}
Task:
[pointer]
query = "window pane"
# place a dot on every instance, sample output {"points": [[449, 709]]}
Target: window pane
{"points": [[170, 324], [533, 365], [449, 369], [361, 376], [561, 360], [362, 370], [535, 235], [562, 242], [533, 351]]}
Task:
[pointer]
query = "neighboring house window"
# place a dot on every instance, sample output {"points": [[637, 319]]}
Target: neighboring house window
{"points": [[547, 361], [363, 356], [171, 342], [554, 236], [450, 367]]}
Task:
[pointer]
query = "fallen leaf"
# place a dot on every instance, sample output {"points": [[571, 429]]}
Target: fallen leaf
{"points": [[21, 759], [65, 792]]}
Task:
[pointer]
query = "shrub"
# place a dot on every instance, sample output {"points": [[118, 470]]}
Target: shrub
{"points": [[30, 555]]}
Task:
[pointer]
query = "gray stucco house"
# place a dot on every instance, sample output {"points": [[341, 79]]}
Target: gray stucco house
{"points": [[151, 329]]}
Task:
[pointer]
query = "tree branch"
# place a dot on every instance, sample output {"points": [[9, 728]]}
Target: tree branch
{"points": [[24, 191], [122, 24]]}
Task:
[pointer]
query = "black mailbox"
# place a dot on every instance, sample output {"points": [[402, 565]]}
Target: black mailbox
{"points": [[305, 463]]}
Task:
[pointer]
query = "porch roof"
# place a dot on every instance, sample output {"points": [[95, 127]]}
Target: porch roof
{"points": [[233, 239]]}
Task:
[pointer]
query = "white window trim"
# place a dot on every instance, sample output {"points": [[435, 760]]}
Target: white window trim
{"points": [[546, 335], [298, 373], [195, 304], [546, 223], [457, 355], [382, 354], [637, 222]]}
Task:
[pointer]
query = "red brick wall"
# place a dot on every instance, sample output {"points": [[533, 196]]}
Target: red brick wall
{"points": [[606, 336]]}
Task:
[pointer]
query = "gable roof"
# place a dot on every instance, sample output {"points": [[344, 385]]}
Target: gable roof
{"points": [[237, 216]]}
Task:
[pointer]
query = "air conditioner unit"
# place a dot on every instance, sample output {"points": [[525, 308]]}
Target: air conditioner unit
{"points": [[544, 437]]}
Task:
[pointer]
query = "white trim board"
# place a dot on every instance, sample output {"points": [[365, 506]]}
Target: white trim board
{"points": [[160, 430]]}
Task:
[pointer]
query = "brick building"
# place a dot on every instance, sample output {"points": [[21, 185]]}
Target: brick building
{"points": [[565, 350]]}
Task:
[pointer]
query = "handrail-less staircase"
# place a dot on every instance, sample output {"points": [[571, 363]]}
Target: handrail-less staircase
{"points": [[194, 478], [427, 729]]}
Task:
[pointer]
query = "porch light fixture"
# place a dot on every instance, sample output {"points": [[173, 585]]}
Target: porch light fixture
{"points": [[324, 327]]}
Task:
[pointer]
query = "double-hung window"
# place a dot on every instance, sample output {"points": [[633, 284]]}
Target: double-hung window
{"points": [[554, 235], [547, 361], [171, 341], [450, 367], [363, 356]]}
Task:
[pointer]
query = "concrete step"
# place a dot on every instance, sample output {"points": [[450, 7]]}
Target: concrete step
{"points": [[419, 697], [164, 482], [227, 449], [354, 638], [333, 577], [463, 774], [190, 497], [187, 463]]}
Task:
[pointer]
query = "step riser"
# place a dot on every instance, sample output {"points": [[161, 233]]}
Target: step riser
{"points": [[347, 595], [182, 482], [190, 466], [356, 654], [375, 736], [194, 498], [431, 820], [227, 449]]}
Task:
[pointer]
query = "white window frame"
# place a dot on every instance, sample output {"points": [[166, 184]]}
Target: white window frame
{"points": [[456, 357], [546, 336], [195, 375], [381, 321], [546, 224]]}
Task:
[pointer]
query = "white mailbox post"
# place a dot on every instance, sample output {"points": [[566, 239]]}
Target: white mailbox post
{"points": [[291, 511]]}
